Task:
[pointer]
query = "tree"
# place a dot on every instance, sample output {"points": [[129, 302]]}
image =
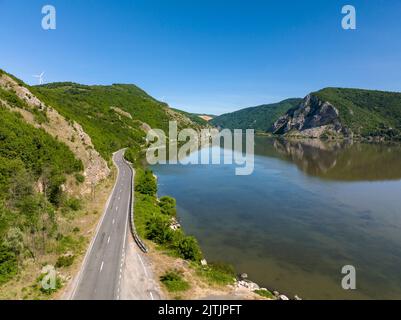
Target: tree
{"points": [[146, 184], [168, 206], [158, 229], [188, 247]]}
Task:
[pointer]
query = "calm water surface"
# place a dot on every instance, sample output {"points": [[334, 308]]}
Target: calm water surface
{"points": [[308, 209]]}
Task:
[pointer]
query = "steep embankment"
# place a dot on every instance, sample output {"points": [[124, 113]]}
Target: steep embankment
{"points": [[54, 142], [260, 118], [115, 116], [344, 113], [35, 170], [17, 96]]}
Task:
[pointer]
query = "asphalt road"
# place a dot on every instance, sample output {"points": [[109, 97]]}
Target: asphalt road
{"points": [[104, 265]]}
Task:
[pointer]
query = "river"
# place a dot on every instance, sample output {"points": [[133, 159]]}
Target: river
{"points": [[308, 209]]}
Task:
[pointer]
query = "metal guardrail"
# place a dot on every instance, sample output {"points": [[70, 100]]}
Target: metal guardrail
{"points": [[137, 239]]}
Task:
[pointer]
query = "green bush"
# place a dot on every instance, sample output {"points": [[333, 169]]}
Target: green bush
{"points": [[158, 229], [174, 281], [168, 206], [146, 183], [65, 261], [73, 203], [80, 178], [8, 264], [187, 247]]}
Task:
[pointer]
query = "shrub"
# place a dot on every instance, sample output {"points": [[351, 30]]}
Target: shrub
{"points": [[8, 264], [73, 203], [80, 178], [65, 261], [187, 247], [158, 229], [168, 206], [174, 281], [146, 183]]}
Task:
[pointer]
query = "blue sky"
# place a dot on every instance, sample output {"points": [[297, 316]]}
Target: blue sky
{"points": [[206, 56]]}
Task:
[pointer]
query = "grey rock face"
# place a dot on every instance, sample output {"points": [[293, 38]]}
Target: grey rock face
{"points": [[312, 118]]}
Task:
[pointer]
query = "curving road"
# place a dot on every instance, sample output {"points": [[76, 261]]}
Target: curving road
{"points": [[114, 268]]}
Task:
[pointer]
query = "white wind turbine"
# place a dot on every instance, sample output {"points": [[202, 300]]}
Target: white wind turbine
{"points": [[40, 78]]}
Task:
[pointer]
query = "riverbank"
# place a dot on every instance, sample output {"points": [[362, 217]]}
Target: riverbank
{"points": [[173, 253], [178, 255]]}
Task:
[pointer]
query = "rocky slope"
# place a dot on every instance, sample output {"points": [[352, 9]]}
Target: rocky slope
{"points": [[69, 132], [312, 119], [344, 113]]}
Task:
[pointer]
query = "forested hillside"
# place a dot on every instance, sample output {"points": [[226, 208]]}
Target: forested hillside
{"points": [[366, 112], [260, 118], [30, 161], [114, 116]]}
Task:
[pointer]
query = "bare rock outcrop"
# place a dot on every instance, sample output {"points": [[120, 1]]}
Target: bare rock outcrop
{"points": [[311, 119]]}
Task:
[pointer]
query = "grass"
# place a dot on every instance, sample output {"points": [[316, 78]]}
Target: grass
{"points": [[217, 273], [174, 281], [265, 294]]}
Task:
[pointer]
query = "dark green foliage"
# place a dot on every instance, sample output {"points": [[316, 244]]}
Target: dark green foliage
{"points": [[27, 218], [187, 247], [36, 149], [8, 264], [146, 183], [174, 281], [73, 203], [260, 118], [80, 178], [158, 229], [366, 112], [64, 261], [92, 107], [168, 206]]}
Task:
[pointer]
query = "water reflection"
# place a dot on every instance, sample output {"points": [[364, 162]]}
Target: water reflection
{"points": [[338, 161]]}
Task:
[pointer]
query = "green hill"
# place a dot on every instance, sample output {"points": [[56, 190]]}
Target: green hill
{"points": [[260, 118], [111, 115], [366, 112], [28, 220], [338, 112]]}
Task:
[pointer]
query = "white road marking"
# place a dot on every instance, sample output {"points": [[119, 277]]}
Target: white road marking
{"points": [[108, 240], [116, 208], [151, 295], [143, 265], [113, 221], [101, 267]]}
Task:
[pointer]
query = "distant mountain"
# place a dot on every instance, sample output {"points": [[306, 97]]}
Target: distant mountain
{"points": [[201, 119], [339, 113], [260, 118]]}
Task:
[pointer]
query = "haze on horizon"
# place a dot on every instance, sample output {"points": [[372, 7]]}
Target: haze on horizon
{"points": [[206, 57]]}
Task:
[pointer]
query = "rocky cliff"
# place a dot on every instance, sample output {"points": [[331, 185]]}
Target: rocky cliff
{"points": [[312, 118]]}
